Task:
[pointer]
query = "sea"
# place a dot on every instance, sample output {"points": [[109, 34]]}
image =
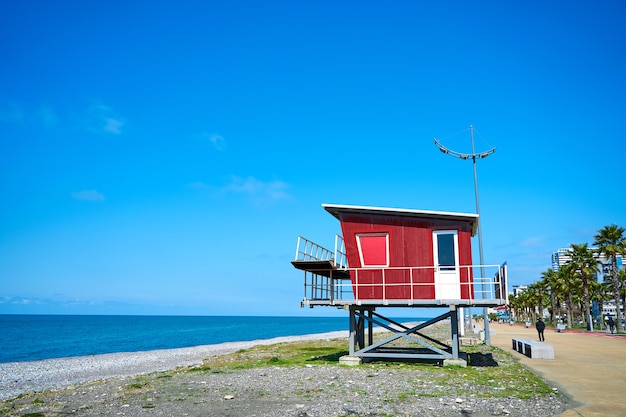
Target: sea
{"points": [[38, 337]]}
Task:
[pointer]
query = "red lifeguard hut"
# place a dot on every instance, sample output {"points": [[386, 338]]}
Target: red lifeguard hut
{"points": [[391, 257]]}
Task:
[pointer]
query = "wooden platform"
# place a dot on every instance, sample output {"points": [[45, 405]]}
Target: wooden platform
{"points": [[325, 268]]}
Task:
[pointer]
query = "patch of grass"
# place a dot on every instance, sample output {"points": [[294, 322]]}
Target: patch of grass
{"points": [[509, 379], [403, 396], [202, 368], [281, 354], [139, 384]]}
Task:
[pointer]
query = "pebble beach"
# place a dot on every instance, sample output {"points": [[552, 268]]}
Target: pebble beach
{"points": [[20, 377], [133, 384]]}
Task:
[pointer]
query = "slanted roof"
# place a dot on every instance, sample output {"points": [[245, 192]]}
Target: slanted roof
{"points": [[338, 209]]}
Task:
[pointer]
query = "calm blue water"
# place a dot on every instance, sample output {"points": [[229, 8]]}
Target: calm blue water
{"points": [[35, 337]]}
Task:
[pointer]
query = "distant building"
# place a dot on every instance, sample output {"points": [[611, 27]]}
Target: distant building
{"points": [[562, 256], [518, 289]]}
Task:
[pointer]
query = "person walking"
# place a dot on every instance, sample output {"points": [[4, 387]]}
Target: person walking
{"points": [[541, 326], [611, 324]]}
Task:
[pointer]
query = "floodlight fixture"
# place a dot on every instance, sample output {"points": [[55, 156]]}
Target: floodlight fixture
{"points": [[473, 156]]}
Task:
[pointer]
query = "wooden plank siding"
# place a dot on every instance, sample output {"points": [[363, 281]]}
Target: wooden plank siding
{"points": [[410, 240]]}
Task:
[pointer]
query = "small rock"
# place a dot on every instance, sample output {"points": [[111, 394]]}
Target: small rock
{"points": [[229, 397]]}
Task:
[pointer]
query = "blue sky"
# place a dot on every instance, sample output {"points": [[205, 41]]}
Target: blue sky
{"points": [[163, 157]]}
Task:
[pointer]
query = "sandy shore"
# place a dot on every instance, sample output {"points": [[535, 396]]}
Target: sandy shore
{"points": [[20, 377]]}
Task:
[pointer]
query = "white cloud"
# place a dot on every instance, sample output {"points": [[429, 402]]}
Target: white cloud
{"points": [[112, 125], [88, 195], [198, 185], [19, 300], [48, 117], [259, 191], [11, 113], [102, 119], [218, 141], [533, 241]]}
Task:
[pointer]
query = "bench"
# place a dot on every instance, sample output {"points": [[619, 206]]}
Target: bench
{"points": [[533, 349], [561, 328]]}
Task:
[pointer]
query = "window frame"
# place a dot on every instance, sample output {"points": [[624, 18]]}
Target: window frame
{"points": [[359, 237]]}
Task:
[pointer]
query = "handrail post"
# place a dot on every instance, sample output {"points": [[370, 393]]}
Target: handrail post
{"points": [[298, 248]]}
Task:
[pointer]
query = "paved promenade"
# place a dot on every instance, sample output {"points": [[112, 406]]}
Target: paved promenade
{"points": [[588, 367]]}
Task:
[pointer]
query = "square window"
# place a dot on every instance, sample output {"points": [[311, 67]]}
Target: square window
{"points": [[373, 249]]}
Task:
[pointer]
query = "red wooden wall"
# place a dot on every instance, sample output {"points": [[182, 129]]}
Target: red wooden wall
{"points": [[410, 245]]}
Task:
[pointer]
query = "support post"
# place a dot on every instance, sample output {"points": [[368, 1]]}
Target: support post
{"points": [[454, 325], [352, 331], [370, 327], [360, 330], [462, 321], [487, 332]]}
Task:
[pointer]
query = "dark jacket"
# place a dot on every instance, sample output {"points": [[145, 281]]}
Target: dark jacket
{"points": [[540, 325]]}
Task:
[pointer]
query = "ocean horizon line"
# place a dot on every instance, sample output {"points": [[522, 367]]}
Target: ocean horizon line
{"points": [[39, 337]]}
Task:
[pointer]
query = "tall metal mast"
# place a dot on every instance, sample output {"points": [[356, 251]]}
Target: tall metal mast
{"points": [[474, 156]]}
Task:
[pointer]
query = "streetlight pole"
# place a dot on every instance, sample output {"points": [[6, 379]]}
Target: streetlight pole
{"points": [[473, 156]]}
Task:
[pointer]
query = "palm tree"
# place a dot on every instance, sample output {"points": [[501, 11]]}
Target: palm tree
{"points": [[611, 242], [621, 279], [526, 303], [522, 300], [567, 284], [586, 266], [550, 278], [541, 288], [514, 304], [600, 292], [531, 296]]}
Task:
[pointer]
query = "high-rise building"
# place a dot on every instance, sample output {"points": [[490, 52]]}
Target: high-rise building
{"points": [[560, 258], [517, 289], [563, 256]]}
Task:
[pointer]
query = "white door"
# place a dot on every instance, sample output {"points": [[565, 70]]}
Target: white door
{"points": [[446, 255]]}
